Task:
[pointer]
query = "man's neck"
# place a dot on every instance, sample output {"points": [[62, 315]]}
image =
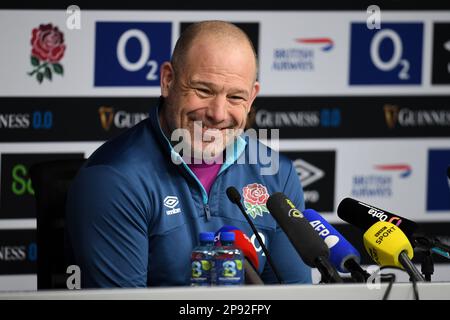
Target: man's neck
{"points": [[163, 123]]}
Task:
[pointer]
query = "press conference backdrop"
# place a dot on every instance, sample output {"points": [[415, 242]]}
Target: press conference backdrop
{"points": [[363, 113]]}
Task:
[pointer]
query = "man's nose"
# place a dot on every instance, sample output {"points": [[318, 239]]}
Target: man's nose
{"points": [[217, 110]]}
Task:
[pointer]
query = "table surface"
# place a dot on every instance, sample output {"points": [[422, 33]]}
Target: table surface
{"points": [[399, 291]]}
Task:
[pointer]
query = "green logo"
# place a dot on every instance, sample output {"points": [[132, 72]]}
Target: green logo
{"points": [[21, 182]]}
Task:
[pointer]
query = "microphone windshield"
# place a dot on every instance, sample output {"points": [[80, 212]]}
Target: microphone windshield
{"points": [[363, 216], [242, 242], [233, 195], [384, 242], [304, 238], [340, 249]]}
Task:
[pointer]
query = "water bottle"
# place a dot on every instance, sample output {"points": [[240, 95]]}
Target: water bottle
{"points": [[201, 260], [228, 262]]}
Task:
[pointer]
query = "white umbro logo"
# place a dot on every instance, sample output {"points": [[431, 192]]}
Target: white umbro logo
{"points": [[171, 202], [307, 172]]}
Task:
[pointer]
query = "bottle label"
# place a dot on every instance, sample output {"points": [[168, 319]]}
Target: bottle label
{"points": [[201, 272], [229, 272]]}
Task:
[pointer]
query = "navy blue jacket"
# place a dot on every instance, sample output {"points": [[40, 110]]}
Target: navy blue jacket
{"points": [[133, 216]]}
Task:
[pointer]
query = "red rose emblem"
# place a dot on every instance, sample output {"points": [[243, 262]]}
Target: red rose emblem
{"points": [[47, 50], [255, 194], [48, 43]]}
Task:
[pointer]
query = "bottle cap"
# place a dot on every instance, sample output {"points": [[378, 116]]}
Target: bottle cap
{"points": [[206, 236], [226, 236]]}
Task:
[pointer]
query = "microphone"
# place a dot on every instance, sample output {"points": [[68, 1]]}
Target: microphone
{"points": [[388, 246], [344, 257], [363, 216], [308, 244], [251, 263], [235, 197]]}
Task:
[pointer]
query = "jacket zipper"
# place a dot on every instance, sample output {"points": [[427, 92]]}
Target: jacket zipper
{"points": [[207, 211]]}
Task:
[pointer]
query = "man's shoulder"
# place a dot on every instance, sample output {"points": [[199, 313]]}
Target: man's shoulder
{"points": [[133, 146]]}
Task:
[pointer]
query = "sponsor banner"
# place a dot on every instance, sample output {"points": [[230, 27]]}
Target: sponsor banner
{"points": [[118, 53], [131, 53], [438, 186], [301, 54], [70, 119], [316, 171], [18, 252], [98, 119], [386, 175], [391, 174], [441, 53], [17, 194], [389, 55], [354, 117]]}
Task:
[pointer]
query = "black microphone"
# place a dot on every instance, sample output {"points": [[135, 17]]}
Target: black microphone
{"points": [[308, 244], [235, 197], [363, 216]]}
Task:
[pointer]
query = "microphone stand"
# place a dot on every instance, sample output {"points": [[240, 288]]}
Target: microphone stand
{"points": [[358, 274], [328, 272], [409, 267], [427, 265], [429, 246]]}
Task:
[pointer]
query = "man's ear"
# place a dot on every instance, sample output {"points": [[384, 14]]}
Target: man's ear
{"points": [[253, 94], [167, 78]]}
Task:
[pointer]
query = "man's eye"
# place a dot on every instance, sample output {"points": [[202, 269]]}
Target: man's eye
{"points": [[203, 91], [237, 98]]}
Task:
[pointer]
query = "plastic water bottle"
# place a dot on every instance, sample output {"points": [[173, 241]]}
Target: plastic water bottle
{"points": [[201, 260], [228, 262]]}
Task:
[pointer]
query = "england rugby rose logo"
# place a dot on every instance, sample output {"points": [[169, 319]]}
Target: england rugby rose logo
{"points": [[255, 198], [47, 51]]}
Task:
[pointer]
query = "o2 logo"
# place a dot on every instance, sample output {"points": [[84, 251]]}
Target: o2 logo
{"points": [[131, 53], [390, 55]]}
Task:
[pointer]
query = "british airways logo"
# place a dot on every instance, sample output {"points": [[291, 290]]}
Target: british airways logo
{"points": [[380, 184], [325, 44], [404, 169], [302, 56]]}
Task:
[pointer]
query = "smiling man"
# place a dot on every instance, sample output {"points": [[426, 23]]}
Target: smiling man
{"points": [[211, 82], [136, 208]]}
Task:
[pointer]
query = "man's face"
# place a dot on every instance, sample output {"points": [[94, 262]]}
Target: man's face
{"points": [[211, 94]]}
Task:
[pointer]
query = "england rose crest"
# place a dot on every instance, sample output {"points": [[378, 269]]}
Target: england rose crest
{"points": [[255, 198], [47, 50]]}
